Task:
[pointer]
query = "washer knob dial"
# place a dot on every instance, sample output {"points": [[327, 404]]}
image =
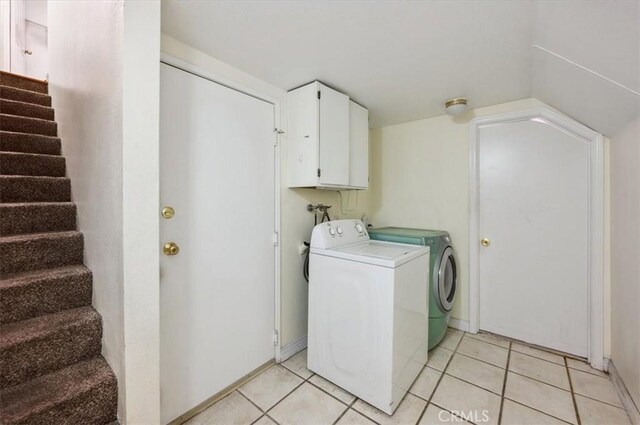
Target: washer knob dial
{"points": [[339, 230], [359, 227], [332, 231]]}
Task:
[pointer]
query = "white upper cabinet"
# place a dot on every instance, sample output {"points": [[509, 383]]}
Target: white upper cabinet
{"points": [[328, 139]]}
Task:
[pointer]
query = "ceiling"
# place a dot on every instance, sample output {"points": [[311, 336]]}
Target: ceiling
{"points": [[404, 59]]}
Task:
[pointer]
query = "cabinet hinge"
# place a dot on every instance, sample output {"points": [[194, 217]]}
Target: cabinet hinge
{"points": [[276, 238], [276, 136], [318, 94], [275, 338], [319, 172]]}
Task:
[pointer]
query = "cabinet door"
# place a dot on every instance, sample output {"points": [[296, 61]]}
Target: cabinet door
{"points": [[334, 137], [302, 140], [358, 146]]}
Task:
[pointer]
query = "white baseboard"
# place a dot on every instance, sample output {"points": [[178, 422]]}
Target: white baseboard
{"points": [[627, 401], [462, 325], [293, 348]]}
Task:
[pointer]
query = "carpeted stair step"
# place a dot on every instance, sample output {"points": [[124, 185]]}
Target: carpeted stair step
{"points": [[39, 251], [14, 107], [22, 82], [84, 393], [34, 189], [37, 293], [29, 143], [37, 217], [34, 347], [31, 164], [28, 125], [27, 96]]}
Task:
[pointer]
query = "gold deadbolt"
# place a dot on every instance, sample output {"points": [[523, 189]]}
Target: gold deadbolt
{"points": [[170, 248], [168, 212], [485, 242]]}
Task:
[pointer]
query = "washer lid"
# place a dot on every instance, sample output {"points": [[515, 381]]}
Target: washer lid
{"points": [[385, 254]]}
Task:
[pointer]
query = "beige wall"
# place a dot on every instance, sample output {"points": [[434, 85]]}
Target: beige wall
{"points": [[625, 256], [296, 222], [420, 178]]}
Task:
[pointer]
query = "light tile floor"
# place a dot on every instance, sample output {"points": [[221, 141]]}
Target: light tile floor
{"points": [[481, 379]]}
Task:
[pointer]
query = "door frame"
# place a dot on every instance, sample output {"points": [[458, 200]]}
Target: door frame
{"points": [[595, 218], [226, 82]]}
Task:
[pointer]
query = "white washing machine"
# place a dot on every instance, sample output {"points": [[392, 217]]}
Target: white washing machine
{"points": [[368, 312]]}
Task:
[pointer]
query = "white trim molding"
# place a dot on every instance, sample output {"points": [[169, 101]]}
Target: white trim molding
{"points": [[595, 217], [627, 401], [459, 324], [292, 348]]}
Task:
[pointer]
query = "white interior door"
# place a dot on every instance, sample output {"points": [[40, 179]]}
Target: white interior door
{"points": [[534, 211], [217, 294], [36, 52], [36, 60]]}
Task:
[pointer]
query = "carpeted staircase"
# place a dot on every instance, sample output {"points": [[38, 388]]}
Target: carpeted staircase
{"points": [[51, 370]]}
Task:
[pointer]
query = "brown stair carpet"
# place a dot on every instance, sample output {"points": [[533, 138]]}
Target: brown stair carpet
{"points": [[32, 164], [27, 96], [51, 370], [34, 189], [37, 217], [20, 124], [29, 143]]}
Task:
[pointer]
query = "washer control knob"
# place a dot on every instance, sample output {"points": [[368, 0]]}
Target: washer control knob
{"points": [[332, 231], [359, 227], [339, 230]]}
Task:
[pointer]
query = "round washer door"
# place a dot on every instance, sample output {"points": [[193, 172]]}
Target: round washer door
{"points": [[447, 280]]}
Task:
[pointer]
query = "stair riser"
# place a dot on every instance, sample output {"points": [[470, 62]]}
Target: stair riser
{"points": [[23, 83], [28, 125], [29, 110], [36, 218], [96, 405], [30, 189], [32, 165], [29, 143], [12, 93], [65, 347], [45, 296], [37, 254]]}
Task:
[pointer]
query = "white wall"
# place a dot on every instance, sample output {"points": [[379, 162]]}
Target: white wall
{"points": [[420, 178], [625, 255], [85, 68], [140, 210], [104, 83], [36, 11], [296, 222]]}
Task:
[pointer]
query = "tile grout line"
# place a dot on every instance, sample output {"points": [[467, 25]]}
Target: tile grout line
{"points": [[444, 370], [307, 380], [350, 407], [525, 344], [290, 392], [538, 380], [538, 410], [573, 395], [504, 384]]}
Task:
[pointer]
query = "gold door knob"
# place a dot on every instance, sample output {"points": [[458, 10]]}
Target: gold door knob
{"points": [[170, 248], [168, 212], [485, 242]]}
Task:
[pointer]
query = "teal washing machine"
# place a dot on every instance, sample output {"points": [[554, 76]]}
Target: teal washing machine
{"points": [[444, 272]]}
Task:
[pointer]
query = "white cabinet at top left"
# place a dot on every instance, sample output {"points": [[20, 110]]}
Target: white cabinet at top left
{"points": [[328, 139]]}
